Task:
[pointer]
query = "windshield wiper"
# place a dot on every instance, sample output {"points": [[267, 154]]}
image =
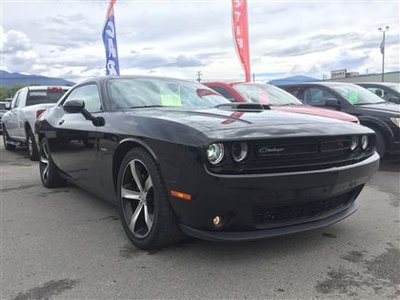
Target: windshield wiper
{"points": [[146, 106]]}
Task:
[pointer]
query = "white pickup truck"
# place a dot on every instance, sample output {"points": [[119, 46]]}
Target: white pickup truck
{"points": [[19, 122]]}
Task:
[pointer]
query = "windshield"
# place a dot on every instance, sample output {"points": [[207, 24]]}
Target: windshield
{"points": [[356, 95], [44, 96], [145, 92], [266, 94]]}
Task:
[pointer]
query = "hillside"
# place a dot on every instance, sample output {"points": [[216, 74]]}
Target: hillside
{"points": [[11, 79]]}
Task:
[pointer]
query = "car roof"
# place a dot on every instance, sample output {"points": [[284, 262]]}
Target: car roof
{"points": [[322, 83], [379, 83], [101, 79]]}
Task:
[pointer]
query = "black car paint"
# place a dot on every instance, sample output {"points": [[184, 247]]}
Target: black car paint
{"points": [[89, 156], [374, 116]]}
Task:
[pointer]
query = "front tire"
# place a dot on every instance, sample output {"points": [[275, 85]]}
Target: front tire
{"points": [[145, 212], [33, 152], [48, 171], [380, 143]]}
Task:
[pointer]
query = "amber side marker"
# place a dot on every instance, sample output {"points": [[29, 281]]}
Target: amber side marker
{"points": [[181, 195]]}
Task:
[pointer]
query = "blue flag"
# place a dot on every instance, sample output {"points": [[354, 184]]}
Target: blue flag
{"points": [[110, 41]]}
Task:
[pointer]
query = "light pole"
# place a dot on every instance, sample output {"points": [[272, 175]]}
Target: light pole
{"points": [[383, 30]]}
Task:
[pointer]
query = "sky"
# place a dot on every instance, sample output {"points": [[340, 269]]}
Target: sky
{"points": [[178, 38]]}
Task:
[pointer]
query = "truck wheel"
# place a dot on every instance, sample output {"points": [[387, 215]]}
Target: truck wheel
{"points": [[7, 146], [31, 144], [48, 171], [146, 215]]}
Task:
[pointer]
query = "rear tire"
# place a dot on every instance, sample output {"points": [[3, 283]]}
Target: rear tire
{"points": [[33, 151], [48, 171], [5, 140], [145, 212]]}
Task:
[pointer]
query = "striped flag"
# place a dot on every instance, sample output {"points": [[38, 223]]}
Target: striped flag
{"points": [[110, 41]]}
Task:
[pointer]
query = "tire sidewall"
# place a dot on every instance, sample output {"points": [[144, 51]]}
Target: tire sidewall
{"points": [[159, 192]]}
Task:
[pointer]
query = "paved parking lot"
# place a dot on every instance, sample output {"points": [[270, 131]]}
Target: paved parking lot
{"points": [[70, 244]]}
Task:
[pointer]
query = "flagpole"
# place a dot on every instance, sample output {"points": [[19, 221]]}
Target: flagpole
{"points": [[383, 30]]}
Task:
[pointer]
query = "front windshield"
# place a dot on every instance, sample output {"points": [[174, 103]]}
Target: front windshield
{"points": [[356, 95], [394, 86], [266, 94], [146, 92]]}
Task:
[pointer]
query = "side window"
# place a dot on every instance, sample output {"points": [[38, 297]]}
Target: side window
{"points": [[223, 92], [88, 94], [384, 94], [15, 100], [317, 96], [296, 91]]}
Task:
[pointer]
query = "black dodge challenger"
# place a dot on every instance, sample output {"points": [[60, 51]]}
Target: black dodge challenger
{"points": [[177, 158]]}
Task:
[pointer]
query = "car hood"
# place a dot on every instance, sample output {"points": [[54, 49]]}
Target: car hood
{"points": [[222, 124], [387, 107], [309, 110]]}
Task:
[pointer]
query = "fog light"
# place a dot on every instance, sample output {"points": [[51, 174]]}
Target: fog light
{"points": [[364, 142], [217, 221]]}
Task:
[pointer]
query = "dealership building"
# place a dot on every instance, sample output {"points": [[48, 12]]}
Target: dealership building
{"points": [[352, 77]]}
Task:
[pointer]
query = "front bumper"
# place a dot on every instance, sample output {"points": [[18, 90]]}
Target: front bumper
{"points": [[236, 199]]}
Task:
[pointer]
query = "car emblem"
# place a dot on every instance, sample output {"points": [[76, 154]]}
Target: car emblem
{"points": [[267, 149]]}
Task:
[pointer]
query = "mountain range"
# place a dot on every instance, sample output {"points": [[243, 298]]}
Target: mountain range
{"points": [[10, 79]]}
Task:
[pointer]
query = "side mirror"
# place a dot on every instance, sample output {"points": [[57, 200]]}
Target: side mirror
{"points": [[74, 106], [332, 103]]}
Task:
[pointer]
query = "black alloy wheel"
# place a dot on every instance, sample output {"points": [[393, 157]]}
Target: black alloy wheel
{"points": [[48, 171], [145, 212]]}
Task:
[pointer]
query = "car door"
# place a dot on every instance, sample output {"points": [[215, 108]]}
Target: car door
{"points": [[75, 148], [12, 123]]}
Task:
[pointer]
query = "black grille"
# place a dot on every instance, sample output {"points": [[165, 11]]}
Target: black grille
{"points": [[299, 154], [270, 216]]}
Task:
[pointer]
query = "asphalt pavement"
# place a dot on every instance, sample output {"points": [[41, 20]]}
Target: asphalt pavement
{"points": [[66, 243]]}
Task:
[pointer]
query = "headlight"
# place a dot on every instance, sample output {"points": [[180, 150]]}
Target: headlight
{"points": [[239, 151], [215, 153], [354, 143], [396, 121], [364, 142]]}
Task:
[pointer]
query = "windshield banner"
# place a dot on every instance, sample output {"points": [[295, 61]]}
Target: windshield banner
{"points": [[110, 41], [240, 34]]}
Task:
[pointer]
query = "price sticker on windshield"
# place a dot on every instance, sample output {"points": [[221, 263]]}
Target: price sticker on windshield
{"points": [[170, 97], [352, 97]]}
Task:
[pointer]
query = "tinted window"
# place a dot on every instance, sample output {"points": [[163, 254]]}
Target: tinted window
{"points": [[384, 94], [3, 106], [224, 92], [88, 94], [44, 96], [268, 94], [142, 92], [295, 91], [317, 96]]}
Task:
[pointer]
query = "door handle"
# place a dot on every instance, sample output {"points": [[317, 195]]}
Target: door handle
{"points": [[61, 122]]}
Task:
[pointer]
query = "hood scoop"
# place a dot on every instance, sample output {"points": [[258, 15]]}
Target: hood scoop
{"points": [[245, 107]]}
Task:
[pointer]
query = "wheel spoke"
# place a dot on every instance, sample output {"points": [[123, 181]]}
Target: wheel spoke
{"points": [[148, 184], [135, 175], [148, 218], [46, 172], [135, 216], [44, 160], [129, 194]]}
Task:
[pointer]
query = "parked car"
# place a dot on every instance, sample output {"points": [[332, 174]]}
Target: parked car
{"points": [[275, 97], [389, 91], [176, 157], [3, 109], [19, 122], [381, 116]]}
